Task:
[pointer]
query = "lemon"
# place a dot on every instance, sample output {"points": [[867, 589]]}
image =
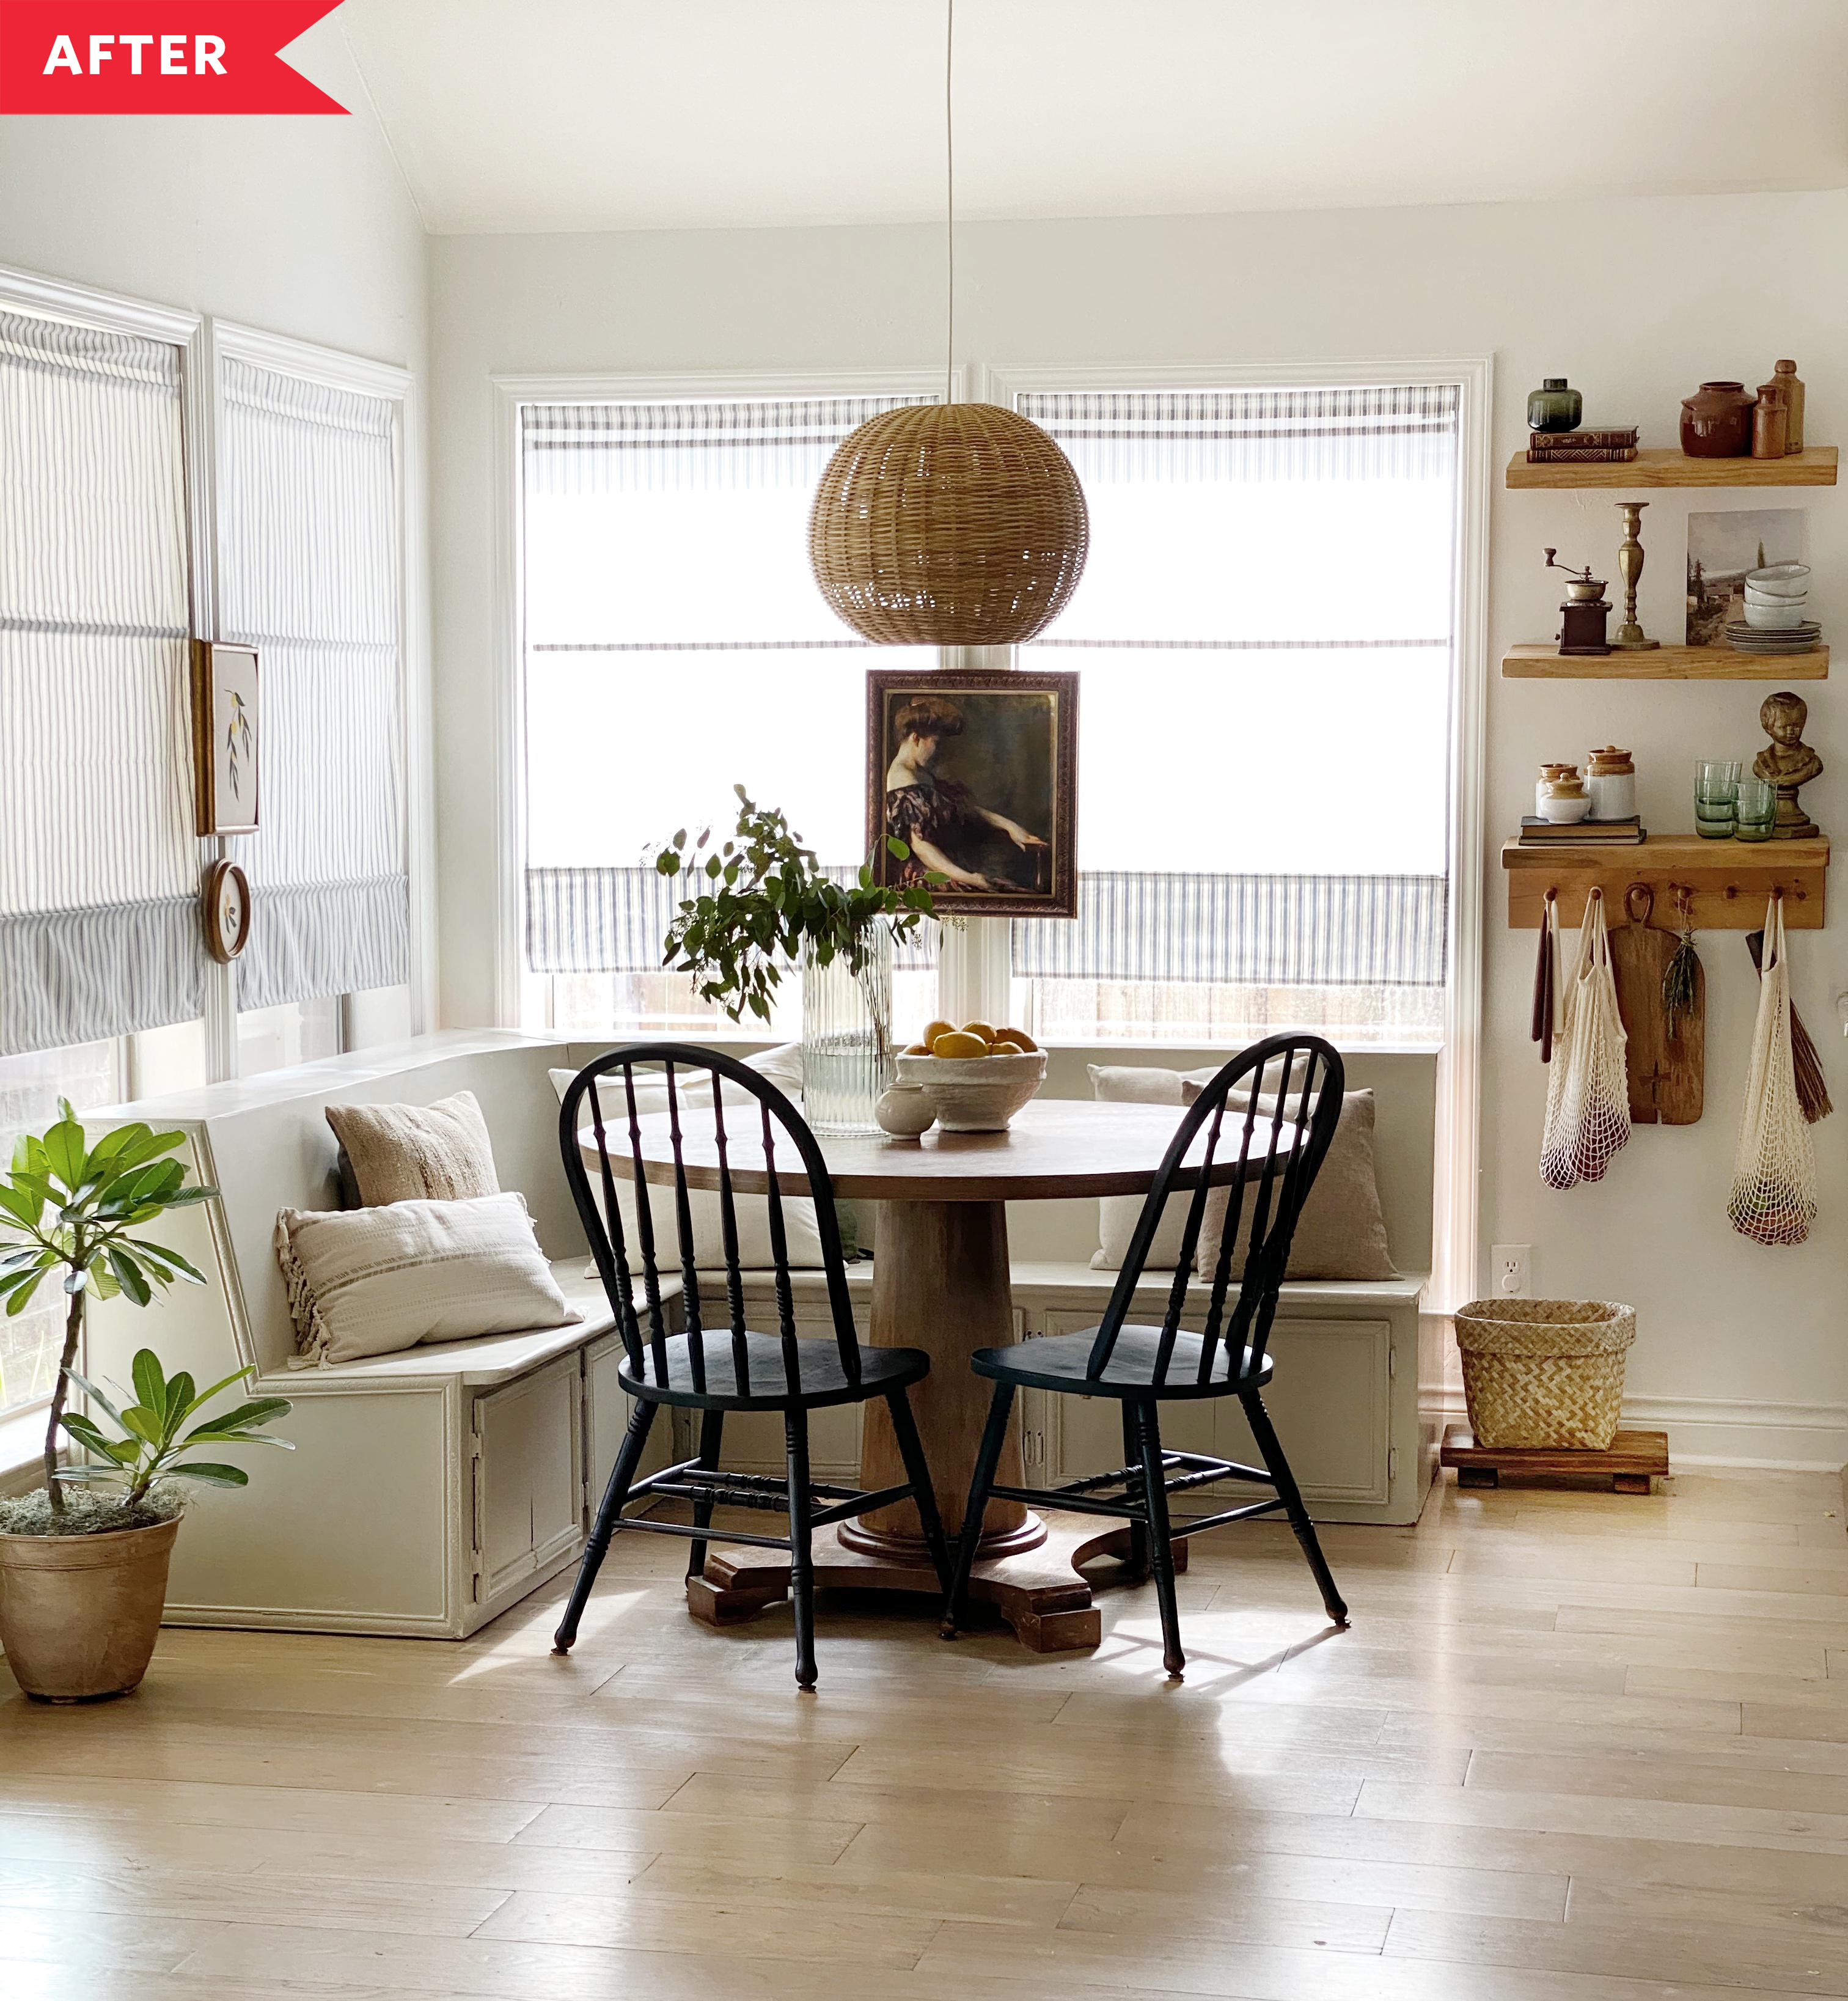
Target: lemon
{"points": [[958, 1043], [979, 1029], [933, 1029], [916, 1049], [1018, 1036]]}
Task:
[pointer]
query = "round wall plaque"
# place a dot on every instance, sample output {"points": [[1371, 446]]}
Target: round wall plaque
{"points": [[227, 911]]}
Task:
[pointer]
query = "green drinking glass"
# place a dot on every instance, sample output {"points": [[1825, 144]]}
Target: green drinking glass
{"points": [[1754, 810]]}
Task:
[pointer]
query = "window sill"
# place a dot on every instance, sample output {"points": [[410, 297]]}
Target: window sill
{"points": [[21, 1449]]}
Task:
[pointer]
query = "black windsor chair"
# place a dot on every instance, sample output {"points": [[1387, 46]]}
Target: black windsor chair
{"points": [[714, 1370], [1280, 1142]]}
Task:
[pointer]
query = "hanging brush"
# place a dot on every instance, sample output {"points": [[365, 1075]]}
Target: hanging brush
{"points": [[1544, 995], [1812, 1088]]}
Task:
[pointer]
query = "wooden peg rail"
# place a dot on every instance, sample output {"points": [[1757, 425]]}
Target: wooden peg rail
{"points": [[1726, 884]]}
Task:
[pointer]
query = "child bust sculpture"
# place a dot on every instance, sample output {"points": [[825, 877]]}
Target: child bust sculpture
{"points": [[1787, 762]]}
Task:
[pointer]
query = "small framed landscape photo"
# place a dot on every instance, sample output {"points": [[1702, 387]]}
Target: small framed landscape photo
{"points": [[227, 738], [977, 774]]}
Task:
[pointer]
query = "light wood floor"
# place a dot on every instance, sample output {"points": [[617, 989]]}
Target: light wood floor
{"points": [[1576, 1748]]}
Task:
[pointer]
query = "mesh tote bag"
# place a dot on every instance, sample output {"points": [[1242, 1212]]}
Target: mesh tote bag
{"points": [[1588, 1101], [1774, 1175]]}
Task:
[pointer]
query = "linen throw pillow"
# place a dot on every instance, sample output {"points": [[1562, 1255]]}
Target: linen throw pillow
{"points": [[1126, 1084], [416, 1153], [801, 1237], [1341, 1232], [364, 1281]]}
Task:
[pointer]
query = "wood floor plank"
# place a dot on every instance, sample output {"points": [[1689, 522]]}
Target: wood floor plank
{"points": [[1663, 1779], [1654, 1820], [276, 1896]]}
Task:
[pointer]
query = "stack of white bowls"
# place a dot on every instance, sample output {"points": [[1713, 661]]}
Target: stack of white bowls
{"points": [[1776, 611], [1776, 598]]}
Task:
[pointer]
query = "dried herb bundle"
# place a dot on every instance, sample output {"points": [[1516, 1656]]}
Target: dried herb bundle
{"points": [[1678, 982]]}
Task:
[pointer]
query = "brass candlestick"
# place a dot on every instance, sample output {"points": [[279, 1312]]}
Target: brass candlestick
{"points": [[1630, 567]]}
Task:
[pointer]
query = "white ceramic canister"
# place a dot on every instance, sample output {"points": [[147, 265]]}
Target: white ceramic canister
{"points": [[1548, 773], [1611, 780]]}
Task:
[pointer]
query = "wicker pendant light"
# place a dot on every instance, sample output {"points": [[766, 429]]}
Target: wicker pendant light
{"points": [[949, 524]]}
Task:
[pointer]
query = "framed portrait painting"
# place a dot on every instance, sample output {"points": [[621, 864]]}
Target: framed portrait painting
{"points": [[977, 774], [227, 738]]}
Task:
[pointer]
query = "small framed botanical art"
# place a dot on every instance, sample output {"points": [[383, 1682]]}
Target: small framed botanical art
{"points": [[224, 905], [227, 738], [977, 774]]}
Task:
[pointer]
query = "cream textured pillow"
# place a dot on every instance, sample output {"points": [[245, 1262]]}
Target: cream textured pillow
{"points": [[1341, 1232], [417, 1153], [802, 1238], [366, 1282], [1127, 1083]]}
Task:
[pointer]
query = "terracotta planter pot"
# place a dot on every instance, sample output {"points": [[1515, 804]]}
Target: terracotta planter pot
{"points": [[79, 1614]]}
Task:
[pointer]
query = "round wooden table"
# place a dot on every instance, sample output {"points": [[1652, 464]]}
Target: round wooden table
{"points": [[940, 1282]]}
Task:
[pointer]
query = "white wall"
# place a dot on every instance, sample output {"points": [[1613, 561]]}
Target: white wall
{"points": [[298, 225], [1636, 301]]}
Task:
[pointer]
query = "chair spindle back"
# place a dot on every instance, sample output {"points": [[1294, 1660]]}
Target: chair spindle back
{"points": [[1276, 1140], [680, 1099]]}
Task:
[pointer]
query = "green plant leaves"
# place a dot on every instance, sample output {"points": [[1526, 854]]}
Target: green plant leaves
{"points": [[211, 1475], [65, 1151]]}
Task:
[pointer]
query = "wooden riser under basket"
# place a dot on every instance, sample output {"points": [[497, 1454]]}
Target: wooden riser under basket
{"points": [[1543, 1380]]}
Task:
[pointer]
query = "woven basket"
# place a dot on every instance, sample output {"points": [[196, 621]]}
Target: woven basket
{"points": [[957, 524], [1540, 1373]]}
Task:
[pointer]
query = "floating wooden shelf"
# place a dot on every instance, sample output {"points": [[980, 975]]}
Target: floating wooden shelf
{"points": [[1663, 663], [1730, 880], [1816, 467]]}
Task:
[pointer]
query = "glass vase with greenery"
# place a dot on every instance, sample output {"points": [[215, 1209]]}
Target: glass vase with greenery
{"points": [[762, 902], [68, 1208]]}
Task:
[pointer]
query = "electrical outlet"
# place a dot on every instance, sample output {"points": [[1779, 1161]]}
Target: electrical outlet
{"points": [[1511, 1271]]}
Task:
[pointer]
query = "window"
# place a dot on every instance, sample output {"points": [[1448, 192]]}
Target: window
{"points": [[309, 576], [674, 645], [99, 933], [1267, 632], [103, 585]]}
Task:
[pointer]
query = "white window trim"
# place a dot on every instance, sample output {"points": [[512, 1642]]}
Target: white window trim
{"points": [[1458, 1075], [519, 995], [335, 369]]}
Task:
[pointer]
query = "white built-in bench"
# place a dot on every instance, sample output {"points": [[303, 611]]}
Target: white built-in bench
{"points": [[431, 1489]]}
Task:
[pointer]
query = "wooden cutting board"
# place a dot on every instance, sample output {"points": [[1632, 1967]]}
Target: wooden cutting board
{"points": [[1666, 1079]]}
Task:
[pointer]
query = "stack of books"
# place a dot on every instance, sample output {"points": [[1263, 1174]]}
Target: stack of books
{"points": [[1608, 446], [1583, 833]]}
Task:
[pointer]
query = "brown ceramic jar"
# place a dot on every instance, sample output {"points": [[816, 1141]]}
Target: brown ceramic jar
{"points": [[1770, 420], [1716, 421]]}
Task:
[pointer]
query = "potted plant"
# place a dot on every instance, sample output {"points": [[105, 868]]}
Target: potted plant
{"points": [[763, 902], [83, 1573]]}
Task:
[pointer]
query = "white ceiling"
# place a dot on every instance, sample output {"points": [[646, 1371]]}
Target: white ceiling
{"points": [[540, 115]]}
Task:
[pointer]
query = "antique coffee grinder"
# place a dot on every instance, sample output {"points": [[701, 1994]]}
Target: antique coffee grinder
{"points": [[1581, 616]]}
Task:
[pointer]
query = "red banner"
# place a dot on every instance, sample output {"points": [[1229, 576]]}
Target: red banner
{"points": [[141, 56]]}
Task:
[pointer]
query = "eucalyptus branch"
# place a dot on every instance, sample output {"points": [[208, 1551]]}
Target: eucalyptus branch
{"points": [[762, 898]]}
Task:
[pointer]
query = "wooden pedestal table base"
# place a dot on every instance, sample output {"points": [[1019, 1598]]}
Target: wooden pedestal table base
{"points": [[940, 1283], [1038, 1592]]}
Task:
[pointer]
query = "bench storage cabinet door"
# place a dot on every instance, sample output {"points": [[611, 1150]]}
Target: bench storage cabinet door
{"points": [[527, 1446]]}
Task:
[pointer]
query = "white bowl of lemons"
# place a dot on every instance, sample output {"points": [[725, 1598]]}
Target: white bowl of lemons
{"points": [[976, 1077]]}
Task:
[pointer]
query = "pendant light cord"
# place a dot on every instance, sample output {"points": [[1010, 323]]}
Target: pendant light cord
{"points": [[949, 197]]}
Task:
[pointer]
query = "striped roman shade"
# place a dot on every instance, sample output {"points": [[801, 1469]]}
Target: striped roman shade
{"points": [[99, 928], [674, 646], [309, 575], [1245, 930], [1266, 629]]}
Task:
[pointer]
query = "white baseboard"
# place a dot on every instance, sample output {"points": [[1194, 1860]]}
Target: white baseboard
{"points": [[1713, 1431]]}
